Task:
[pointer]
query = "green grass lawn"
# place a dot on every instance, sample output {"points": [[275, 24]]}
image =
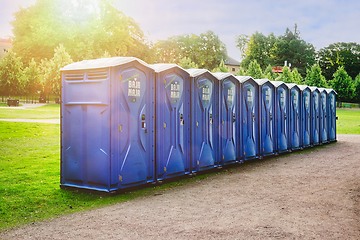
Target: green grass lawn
{"points": [[30, 177], [349, 121], [49, 111], [30, 170]]}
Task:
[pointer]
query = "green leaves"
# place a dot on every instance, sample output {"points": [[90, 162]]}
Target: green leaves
{"points": [[343, 85]]}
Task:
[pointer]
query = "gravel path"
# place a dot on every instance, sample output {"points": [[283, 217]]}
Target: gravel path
{"points": [[306, 195]]}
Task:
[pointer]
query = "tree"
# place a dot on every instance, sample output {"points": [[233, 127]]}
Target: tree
{"points": [[291, 48], [254, 70], [11, 79], [314, 77], [297, 78], [258, 48], [339, 54], [186, 63], [241, 72], [343, 85], [85, 28], [269, 74], [205, 50], [220, 68], [242, 41], [31, 78], [356, 96], [286, 76], [51, 70]]}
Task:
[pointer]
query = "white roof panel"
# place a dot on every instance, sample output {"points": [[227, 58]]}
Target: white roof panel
{"points": [[243, 78], [261, 81], [277, 83], [101, 63], [197, 72], [164, 66]]}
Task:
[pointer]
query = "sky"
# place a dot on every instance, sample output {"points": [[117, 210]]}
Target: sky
{"points": [[320, 22]]}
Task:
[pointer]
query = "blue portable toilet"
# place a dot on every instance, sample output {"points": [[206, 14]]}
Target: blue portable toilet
{"points": [[249, 105], [281, 116], [172, 90], [305, 102], [266, 117], [107, 124], [332, 115], [204, 128], [324, 109], [229, 113], [295, 121], [315, 116]]}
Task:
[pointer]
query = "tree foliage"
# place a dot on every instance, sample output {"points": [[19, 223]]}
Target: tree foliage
{"points": [[254, 70], [85, 28], [11, 79], [314, 77], [286, 76], [276, 50], [186, 63], [51, 78], [205, 50], [339, 54], [258, 48], [297, 78], [31, 78], [343, 85], [220, 68], [356, 96], [291, 48]]}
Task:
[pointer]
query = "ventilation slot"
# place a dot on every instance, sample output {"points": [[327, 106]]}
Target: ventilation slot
{"points": [[100, 74], [74, 76]]}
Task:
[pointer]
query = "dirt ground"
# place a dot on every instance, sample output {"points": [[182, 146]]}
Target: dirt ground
{"points": [[307, 195]]}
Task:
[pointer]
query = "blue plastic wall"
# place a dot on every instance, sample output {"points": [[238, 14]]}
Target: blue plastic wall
{"points": [[229, 113], [315, 116], [332, 114], [250, 119], [172, 121], [305, 100], [204, 120], [267, 118], [282, 117], [85, 124], [295, 121], [324, 120]]}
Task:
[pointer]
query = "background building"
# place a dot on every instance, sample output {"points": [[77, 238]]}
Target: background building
{"points": [[232, 65]]}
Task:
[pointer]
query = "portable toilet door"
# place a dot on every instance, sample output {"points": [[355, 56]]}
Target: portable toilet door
{"points": [[249, 106], [204, 120], [305, 101], [315, 116], [107, 114], [229, 137], [324, 124], [172, 121], [266, 117], [133, 124], [332, 115], [282, 116], [295, 120]]}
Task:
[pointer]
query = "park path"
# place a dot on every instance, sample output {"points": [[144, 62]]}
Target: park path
{"points": [[313, 194]]}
